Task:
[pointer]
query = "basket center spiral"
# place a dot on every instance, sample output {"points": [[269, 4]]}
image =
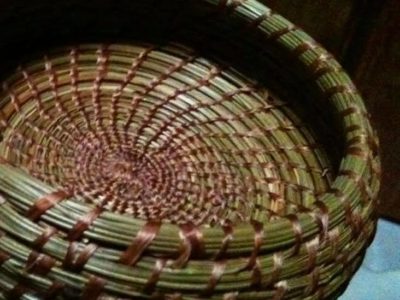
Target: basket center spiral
{"points": [[160, 134]]}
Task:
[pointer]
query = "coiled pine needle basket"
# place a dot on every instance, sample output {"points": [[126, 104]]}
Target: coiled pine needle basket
{"points": [[160, 171]]}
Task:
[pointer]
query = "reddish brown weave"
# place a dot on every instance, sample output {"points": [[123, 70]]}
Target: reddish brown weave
{"points": [[149, 171], [160, 134]]}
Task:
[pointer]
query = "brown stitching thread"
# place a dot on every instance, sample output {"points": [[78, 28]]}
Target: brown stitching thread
{"points": [[29, 157], [162, 129], [281, 288], [93, 288], [256, 276], [135, 99], [225, 97], [344, 201], [357, 223], [75, 260], [42, 239], [358, 152], [39, 103], [226, 9], [228, 231], [175, 296], [54, 291], [76, 96], [317, 64], [231, 296], [216, 274], [314, 280], [258, 239], [260, 19], [40, 264], [340, 89], [157, 295], [312, 250], [350, 219], [297, 148], [271, 165], [323, 70], [130, 75], [333, 237], [45, 203], [363, 138], [303, 47], [279, 33], [14, 100], [297, 230], [3, 120], [320, 67], [17, 106], [321, 293], [149, 88], [350, 111], [277, 269], [359, 181], [234, 4], [3, 161], [153, 279], [84, 223], [4, 257], [102, 62], [343, 258], [140, 243], [192, 244], [322, 219], [157, 81], [352, 128], [53, 81]]}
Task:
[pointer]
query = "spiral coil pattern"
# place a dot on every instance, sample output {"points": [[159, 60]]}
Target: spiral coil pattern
{"points": [[161, 134], [143, 171]]}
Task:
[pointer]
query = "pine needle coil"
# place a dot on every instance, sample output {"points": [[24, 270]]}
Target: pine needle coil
{"points": [[287, 226]]}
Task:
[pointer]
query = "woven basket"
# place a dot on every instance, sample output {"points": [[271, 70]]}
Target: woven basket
{"points": [[240, 168]]}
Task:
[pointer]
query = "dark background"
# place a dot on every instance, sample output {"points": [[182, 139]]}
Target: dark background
{"points": [[365, 37], [362, 34]]}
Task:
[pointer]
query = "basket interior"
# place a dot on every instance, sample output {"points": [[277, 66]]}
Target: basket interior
{"points": [[160, 133], [164, 131]]}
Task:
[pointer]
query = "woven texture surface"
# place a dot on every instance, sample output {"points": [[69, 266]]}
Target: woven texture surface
{"points": [[153, 172]]}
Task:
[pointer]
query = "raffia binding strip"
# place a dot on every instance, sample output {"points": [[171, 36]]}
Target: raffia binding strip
{"points": [[150, 172]]}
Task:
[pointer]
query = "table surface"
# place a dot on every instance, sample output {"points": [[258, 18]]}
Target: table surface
{"points": [[379, 275]]}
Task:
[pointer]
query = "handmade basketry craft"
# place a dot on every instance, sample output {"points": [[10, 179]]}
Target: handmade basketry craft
{"points": [[152, 171]]}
